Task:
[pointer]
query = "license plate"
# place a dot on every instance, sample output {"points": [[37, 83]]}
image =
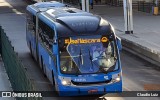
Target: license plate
{"points": [[92, 91]]}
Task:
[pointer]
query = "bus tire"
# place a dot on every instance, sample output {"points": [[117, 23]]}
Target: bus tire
{"points": [[54, 84], [44, 70], [40, 62], [43, 67], [53, 81], [57, 91], [30, 48]]}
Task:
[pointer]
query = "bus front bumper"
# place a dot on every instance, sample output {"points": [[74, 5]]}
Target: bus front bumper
{"points": [[90, 89]]}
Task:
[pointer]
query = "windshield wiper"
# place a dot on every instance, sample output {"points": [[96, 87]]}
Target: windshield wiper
{"points": [[90, 57], [80, 61]]}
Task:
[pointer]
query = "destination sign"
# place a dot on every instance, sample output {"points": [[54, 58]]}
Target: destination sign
{"points": [[85, 41]]}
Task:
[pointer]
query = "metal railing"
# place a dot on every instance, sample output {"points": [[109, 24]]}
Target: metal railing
{"points": [[145, 6], [16, 71]]}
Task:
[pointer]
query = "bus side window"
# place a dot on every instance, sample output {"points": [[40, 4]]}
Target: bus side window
{"points": [[51, 36], [41, 30], [34, 23], [46, 34], [30, 23]]}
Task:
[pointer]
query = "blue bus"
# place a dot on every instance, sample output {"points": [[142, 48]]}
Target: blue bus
{"points": [[78, 52]]}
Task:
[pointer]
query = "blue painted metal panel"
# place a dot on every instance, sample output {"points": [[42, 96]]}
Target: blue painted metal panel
{"points": [[85, 90], [75, 90]]}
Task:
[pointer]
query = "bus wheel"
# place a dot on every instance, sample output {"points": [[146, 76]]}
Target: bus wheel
{"points": [[43, 67], [53, 81], [30, 48], [56, 88], [44, 70]]}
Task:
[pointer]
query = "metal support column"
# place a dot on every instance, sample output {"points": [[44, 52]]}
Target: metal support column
{"points": [[156, 3], [85, 5], [128, 17], [131, 15]]}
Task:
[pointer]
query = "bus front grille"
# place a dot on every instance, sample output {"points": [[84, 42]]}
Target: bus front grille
{"points": [[91, 83]]}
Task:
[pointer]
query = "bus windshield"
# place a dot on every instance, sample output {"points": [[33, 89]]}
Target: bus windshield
{"points": [[85, 54]]}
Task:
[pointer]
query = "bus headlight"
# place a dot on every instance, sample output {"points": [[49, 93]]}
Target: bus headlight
{"points": [[116, 77], [65, 80]]}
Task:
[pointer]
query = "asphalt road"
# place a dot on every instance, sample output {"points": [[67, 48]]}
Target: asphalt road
{"points": [[136, 72]]}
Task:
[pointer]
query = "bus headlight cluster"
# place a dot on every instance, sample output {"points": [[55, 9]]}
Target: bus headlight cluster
{"points": [[116, 77], [65, 80]]}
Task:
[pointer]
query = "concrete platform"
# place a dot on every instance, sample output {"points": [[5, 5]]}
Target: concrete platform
{"points": [[145, 41]]}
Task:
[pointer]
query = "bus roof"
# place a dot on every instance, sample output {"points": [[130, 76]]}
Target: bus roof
{"points": [[43, 6], [49, 4], [70, 21]]}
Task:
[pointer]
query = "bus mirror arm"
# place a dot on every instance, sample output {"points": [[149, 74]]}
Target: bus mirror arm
{"points": [[119, 43]]}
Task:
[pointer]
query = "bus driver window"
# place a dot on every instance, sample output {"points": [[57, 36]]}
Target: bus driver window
{"points": [[103, 55]]}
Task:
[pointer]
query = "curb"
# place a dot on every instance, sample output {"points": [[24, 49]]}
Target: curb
{"points": [[143, 52]]}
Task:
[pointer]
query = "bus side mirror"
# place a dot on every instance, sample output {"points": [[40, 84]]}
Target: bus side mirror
{"points": [[119, 43]]}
